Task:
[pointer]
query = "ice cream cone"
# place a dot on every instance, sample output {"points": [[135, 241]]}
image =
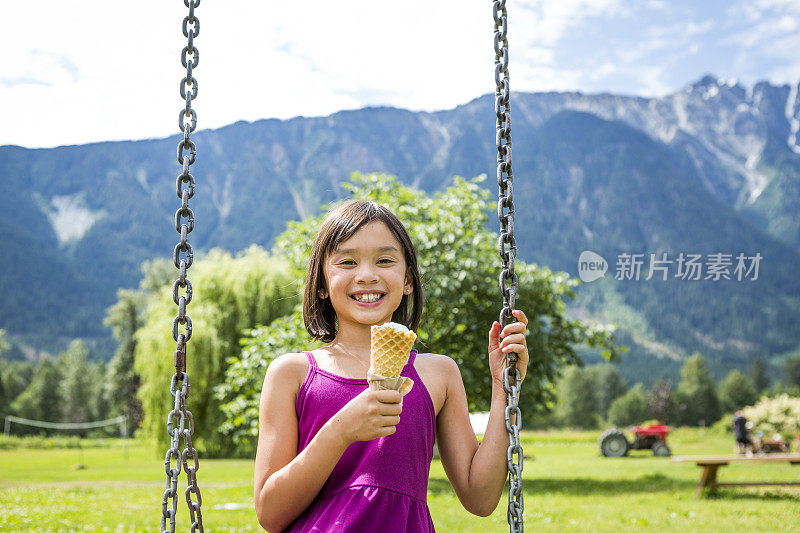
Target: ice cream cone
{"points": [[389, 350], [390, 346]]}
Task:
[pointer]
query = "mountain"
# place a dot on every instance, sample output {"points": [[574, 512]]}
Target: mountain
{"points": [[711, 169], [606, 187]]}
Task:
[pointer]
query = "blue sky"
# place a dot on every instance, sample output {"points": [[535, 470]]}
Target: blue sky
{"points": [[655, 47], [94, 70]]}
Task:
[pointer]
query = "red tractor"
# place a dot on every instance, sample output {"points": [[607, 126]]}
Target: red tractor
{"points": [[613, 442]]}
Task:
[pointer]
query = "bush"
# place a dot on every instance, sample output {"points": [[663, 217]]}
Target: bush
{"points": [[724, 425], [630, 408], [577, 401], [608, 385], [780, 415]]}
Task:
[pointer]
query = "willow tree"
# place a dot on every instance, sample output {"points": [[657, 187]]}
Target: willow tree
{"points": [[232, 294]]}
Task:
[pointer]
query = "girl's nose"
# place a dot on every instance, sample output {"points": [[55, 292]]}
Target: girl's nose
{"points": [[366, 274]]}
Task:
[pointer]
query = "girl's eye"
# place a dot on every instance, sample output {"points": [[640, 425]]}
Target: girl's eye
{"points": [[351, 262]]}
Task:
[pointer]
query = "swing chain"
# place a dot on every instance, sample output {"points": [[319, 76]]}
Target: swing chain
{"points": [[180, 423], [508, 251]]}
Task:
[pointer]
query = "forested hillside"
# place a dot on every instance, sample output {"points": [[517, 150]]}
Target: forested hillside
{"points": [[711, 169]]}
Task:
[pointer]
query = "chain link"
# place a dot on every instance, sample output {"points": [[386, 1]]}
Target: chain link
{"points": [[180, 423], [508, 250]]}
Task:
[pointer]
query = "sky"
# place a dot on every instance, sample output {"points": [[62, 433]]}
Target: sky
{"points": [[98, 70]]}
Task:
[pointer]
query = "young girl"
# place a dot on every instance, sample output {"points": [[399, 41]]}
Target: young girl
{"points": [[334, 456]]}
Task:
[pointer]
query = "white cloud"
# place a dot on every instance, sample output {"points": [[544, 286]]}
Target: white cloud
{"points": [[765, 46], [551, 20], [257, 60], [34, 67], [110, 70]]}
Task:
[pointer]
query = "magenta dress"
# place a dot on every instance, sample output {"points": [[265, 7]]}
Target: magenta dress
{"points": [[379, 485]]}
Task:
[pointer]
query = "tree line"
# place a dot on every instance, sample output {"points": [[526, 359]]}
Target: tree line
{"points": [[594, 396], [68, 388]]}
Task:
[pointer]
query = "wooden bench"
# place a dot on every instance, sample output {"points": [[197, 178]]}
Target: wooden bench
{"points": [[711, 463]]}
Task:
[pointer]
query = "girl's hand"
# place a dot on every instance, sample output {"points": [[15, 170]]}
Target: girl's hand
{"points": [[369, 415], [513, 336]]}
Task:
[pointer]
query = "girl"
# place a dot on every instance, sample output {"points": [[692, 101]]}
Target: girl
{"points": [[335, 456]]}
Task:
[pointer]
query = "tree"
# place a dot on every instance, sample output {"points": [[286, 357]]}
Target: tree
{"points": [[121, 380], [4, 346], [231, 295], [459, 263], [630, 408], [241, 390], [697, 393], [41, 399], [76, 384], [4, 401], [608, 385], [736, 391], [661, 401], [758, 375], [577, 405], [99, 406], [16, 376], [791, 371], [458, 259]]}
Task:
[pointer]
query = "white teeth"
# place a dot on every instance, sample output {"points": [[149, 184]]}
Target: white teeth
{"points": [[367, 298]]}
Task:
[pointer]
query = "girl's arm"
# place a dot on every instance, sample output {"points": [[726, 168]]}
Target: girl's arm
{"points": [[285, 482], [478, 472]]}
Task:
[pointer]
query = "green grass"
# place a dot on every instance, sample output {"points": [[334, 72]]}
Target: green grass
{"points": [[567, 486]]}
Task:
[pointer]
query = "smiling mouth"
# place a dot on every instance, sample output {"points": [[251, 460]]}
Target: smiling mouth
{"points": [[367, 298]]}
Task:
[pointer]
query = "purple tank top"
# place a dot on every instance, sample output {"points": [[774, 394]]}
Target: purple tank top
{"points": [[379, 485]]}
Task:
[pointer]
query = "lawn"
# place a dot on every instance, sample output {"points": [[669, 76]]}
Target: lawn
{"points": [[568, 487]]}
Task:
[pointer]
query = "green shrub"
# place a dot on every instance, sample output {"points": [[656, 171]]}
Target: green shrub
{"points": [[724, 425], [630, 408]]}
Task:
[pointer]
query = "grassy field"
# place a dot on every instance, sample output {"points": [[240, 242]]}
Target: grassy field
{"points": [[568, 487]]}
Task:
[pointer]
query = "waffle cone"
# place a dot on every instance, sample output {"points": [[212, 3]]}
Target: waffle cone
{"points": [[389, 350]]}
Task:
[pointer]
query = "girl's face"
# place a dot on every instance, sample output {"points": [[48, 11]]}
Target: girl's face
{"points": [[365, 276]]}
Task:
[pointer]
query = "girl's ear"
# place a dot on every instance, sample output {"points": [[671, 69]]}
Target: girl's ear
{"points": [[409, 284]]}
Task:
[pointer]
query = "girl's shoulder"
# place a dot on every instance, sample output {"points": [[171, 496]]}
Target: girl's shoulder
{"points": [[437, 361], [439, 373], [288, 369]]}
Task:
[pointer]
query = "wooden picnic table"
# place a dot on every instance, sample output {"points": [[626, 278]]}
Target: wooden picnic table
{"points": [[711, 463]]}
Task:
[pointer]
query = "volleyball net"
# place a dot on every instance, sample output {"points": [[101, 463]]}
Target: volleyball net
{"points": [[120, 420]]}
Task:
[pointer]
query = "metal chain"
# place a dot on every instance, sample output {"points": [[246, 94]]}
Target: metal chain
{"points": [[180, 423], [505, 212]]}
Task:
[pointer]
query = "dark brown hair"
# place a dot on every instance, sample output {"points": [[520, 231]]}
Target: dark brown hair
{"points": [[342, 223]]}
